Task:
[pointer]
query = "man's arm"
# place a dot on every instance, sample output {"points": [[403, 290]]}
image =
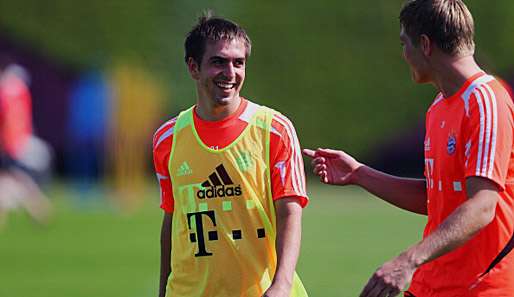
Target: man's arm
{"points": [[165, 253], [459, 227], [289, 229], [338, 168]]}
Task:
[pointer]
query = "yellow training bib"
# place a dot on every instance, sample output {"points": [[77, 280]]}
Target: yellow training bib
{"points": [[223, 229]]}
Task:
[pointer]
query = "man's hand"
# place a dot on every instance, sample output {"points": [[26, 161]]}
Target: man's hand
{"points": [[333, 167], [390, 279], [277, 291]]}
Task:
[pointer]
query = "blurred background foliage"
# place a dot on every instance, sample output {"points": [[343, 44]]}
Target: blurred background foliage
{"points": [[334, 67]]}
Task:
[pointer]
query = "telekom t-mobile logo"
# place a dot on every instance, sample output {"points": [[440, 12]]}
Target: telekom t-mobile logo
{"points": [[199, 236], [199, 233]]}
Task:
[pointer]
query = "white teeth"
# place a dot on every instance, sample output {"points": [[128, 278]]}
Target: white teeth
{"points": [[225, 85]]}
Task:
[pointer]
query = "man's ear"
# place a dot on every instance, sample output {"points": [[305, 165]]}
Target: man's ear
{"points": [[426, 45], [194, 68]]}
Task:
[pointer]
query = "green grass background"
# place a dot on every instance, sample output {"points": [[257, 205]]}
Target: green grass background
{"points": [[99, 251]]}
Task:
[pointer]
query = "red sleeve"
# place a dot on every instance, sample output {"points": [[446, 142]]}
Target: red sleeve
{"points": [[287, 170], [162, 141], [488, 130]]}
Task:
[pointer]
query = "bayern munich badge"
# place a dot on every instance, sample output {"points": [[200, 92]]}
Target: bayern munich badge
{"points": [[452, 144]]}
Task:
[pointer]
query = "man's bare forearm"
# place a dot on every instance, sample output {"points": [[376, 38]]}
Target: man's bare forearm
{"points": [[289, 215], [165, 253], [406, 193]]}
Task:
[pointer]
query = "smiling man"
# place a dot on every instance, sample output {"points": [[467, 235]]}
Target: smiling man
{"points": [[468, 189], [232, 181]]}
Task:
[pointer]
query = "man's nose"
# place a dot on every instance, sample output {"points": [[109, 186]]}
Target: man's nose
{"points": [[229, 71]]}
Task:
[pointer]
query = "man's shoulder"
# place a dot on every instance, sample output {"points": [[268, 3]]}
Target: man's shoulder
{"points": [[486, 95], [164, 132], [265, 107], [281, 125], [485, 86], [273, 111]]}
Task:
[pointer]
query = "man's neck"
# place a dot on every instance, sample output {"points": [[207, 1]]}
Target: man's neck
{"points": [[210, 111], [452, 72]]}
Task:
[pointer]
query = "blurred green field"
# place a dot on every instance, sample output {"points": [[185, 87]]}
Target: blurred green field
{"points": [[98, 251]]}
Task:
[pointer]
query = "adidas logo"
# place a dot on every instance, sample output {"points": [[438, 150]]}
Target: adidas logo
{"points": [[184, 169], [219, 184]]}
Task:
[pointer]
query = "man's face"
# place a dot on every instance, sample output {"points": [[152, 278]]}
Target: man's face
{"points": [[415, 58], [221, 73]]}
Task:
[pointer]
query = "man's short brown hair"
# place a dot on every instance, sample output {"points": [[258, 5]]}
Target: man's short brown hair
{"points": [[448, 23], [210, 28]]}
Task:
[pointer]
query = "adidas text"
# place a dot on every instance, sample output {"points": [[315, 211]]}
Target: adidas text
{"points": [[219, 191]]}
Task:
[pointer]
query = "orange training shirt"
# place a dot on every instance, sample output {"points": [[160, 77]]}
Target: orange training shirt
{"points": [[469, 134]]}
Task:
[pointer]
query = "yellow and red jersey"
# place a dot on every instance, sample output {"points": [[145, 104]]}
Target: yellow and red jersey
{"points": [[222, 194], [470, 134], [287, 169]]}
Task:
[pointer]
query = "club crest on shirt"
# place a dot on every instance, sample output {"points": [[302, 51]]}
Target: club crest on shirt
{"points": [[452, 144]]}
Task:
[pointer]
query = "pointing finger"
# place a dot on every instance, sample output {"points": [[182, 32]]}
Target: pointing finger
{"points": [[328, 152], [309, 153]]}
